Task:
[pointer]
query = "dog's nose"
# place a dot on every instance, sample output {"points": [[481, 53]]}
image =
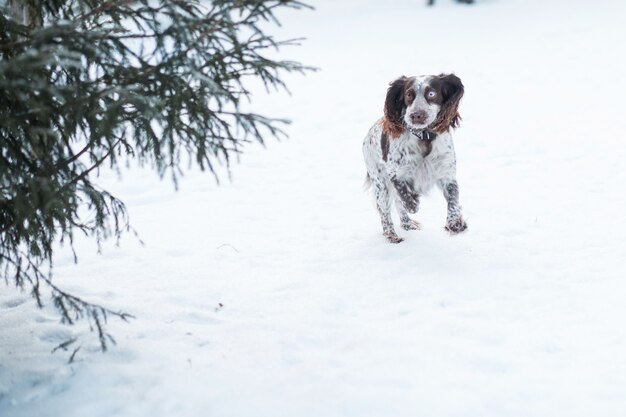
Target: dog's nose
{"points": [[418, 117]]}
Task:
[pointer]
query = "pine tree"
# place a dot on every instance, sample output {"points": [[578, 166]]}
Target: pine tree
{"points": [[86, 84]]}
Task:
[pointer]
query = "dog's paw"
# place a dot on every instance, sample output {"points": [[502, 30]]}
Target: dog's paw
{"points": [[412, 225], [455, 226], [393, 238]]}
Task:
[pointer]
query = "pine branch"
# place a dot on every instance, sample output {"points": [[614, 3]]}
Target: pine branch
{"points": [[107, 5], [96, 165], [148, 80]]}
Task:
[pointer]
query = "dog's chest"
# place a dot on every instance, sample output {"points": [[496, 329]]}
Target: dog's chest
{"points": [[419, 160], [412, 151]]}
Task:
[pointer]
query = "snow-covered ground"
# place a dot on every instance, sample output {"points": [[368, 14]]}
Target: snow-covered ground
{"points": [[276, 295]]}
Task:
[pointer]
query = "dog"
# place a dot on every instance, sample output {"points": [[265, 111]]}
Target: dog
{"points": [[410, 150]]}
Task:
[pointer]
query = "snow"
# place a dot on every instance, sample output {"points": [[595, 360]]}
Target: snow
{"points": [[276, 294]]}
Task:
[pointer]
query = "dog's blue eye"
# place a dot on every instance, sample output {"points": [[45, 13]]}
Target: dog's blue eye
{"points": [[431, 94]]}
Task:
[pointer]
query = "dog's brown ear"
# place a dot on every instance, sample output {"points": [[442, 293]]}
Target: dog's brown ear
{"points": [[452, 91], [395, 107]]}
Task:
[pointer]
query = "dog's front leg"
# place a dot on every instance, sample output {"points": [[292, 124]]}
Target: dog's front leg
{"points": [[406, 191], [454, 223], [406, 222]]}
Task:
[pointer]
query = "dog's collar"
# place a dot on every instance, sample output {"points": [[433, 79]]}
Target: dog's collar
{"points": [[421, 134]]}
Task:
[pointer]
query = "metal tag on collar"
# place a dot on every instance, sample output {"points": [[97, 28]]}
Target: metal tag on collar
{"points": [[428, 135], [423, 134]]}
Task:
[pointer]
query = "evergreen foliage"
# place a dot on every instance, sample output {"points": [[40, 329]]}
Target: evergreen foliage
{"points": [[86, 84]]}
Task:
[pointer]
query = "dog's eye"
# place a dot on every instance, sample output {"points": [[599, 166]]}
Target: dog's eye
{"points": [[431, 94]]}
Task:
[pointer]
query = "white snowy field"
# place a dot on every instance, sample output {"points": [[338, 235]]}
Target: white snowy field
{"points": [[276, 294]]}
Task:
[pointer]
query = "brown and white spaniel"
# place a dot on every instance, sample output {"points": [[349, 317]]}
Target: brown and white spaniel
{"points": [[410, 149]]}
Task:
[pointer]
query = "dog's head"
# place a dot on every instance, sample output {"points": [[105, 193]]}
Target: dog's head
{"points": [[425, 102]]}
